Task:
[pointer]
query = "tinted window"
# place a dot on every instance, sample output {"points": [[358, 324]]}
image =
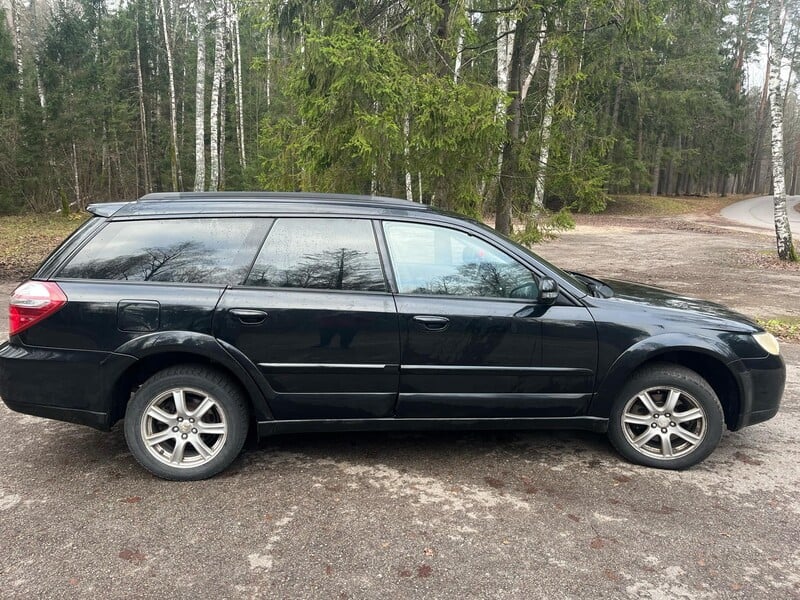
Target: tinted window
{"points": [[331, 254], [216, 251], [436, 260]]}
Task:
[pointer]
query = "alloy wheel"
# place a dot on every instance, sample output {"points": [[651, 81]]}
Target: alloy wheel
{"points": [[664, 423], [184, 427]]}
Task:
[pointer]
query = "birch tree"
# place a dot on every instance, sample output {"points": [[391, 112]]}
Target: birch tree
{"points": [[15, 13], [547, 123], [216, 99], [237, 82], [177, 177], [786, 250], [200, 101]]}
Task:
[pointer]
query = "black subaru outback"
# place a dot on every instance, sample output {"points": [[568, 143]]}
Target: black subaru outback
{"points": [[199, 318]]}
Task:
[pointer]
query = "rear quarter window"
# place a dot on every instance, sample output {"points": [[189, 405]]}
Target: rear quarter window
{"points": [[213, 251]]}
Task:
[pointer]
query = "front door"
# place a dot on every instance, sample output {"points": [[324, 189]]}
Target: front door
{"points": [[316, 316], [474, 342]]}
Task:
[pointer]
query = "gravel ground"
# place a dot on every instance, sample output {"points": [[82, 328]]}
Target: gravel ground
{"points": [[454, 515]]}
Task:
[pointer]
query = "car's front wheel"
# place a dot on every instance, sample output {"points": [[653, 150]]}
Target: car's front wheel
{"points": [[186, 423], [666, 416]]}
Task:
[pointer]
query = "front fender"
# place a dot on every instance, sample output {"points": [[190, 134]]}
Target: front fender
{"points": [[651, 348], [206, 348]]}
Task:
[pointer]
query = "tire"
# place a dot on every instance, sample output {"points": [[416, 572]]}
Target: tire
{"points": [[667, 417], [186, 423]]}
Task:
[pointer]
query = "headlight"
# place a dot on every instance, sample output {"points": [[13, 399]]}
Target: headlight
{"points": [[768, 342]]}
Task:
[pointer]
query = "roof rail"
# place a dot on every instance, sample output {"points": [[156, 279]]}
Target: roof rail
{"points": [[271, 196]]}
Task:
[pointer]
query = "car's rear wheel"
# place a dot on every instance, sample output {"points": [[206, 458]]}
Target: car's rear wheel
{"points": [[667, 416], [186, 423]]}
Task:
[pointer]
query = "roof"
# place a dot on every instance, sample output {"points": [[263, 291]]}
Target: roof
{"points": [[248, 203]]}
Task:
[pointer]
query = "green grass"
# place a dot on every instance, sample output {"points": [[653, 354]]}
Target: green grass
{"points": [[664, 206], [785, 328], [647, 205], [25, 240]]}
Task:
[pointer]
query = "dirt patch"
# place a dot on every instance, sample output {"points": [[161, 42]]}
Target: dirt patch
{"points": [[697, 255], [26, 240]]}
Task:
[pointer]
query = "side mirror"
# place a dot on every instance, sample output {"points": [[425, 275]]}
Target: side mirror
{"points": [[548, 291]]}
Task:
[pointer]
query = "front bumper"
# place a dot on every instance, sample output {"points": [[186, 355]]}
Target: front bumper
{"points": [[763, 381]]}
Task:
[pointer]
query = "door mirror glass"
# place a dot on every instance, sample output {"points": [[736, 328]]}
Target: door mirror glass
{"points": [[548, 291]]}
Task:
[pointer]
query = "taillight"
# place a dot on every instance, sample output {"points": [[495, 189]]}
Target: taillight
{"points": [[32, 302]]}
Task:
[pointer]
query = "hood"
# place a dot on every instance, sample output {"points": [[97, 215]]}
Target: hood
{"points": [[721, 316]]}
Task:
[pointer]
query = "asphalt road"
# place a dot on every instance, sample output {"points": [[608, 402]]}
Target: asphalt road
{"points": [[758, 212]]}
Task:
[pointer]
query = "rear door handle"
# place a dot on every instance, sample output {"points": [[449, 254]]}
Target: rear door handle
{"points": [[432, 323], [249, 316]]}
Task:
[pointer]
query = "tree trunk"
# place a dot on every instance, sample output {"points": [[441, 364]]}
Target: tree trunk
{"points": [[742, 34], [238, 84], [533, 66], [216, 86], [509, 158], [406, 153], [460, 47], [547, 122], [18, 51], [269, 66], [505, 46], [783, 233], [142, 117], [200, 102], [657, 165], [177, 177], [76, 178], [639, 150]]}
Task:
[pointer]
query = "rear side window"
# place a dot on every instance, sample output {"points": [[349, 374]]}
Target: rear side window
{"points": [[213, 251], [328, 254]]}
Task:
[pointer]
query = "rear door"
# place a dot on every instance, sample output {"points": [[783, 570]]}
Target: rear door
{"points": [[316, 316]]}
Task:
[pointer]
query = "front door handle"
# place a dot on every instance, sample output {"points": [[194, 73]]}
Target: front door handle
{"points": [[432, 323], [249, 316]]}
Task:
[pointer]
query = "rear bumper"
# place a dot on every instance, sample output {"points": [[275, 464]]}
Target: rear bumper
{"points": [[66, 385], [763, 381]]}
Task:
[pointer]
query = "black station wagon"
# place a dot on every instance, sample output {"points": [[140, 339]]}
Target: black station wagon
{"points": [[202, 318]]}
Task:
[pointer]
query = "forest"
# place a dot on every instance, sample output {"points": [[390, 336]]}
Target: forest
{"points": [[493, 108]]}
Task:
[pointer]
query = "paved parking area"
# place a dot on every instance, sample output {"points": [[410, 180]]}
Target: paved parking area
{"points": [[456, 515]]}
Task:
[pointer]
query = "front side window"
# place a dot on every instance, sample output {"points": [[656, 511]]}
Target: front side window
{"points": [[328, 254], [435, 260], [212, 251]]}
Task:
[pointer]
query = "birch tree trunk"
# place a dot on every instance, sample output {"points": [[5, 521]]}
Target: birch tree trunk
{"points": [[533, 66], [200, 102], [237, 78], [76, 178], [406, 153], [505, 46], [216, 86], [142, 116], [460, 46], [783, 232], [547, 123], [18, 51], [177, 177]]}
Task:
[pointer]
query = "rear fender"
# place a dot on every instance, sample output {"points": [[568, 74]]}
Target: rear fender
{"points": [[205, 348]]}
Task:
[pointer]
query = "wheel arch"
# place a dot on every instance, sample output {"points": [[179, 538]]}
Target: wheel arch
{"points": [[709, 358], [155, 352]]}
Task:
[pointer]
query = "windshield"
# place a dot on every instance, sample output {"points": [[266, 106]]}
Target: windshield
{"points": [[571, 279]]}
